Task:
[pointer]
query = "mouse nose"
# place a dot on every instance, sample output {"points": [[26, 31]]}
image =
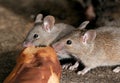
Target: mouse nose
{"points": [[57, 46], [27, 44]]}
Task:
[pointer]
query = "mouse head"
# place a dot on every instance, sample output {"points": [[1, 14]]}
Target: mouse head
{"points": [[78, 42], [40, 33]]}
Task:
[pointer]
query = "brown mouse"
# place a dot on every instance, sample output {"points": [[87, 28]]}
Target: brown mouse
{"points": [[100, 47], [45, 31]]}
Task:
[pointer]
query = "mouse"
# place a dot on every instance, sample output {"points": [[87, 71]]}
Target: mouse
{"points": [[94, 47], [45, 31]]}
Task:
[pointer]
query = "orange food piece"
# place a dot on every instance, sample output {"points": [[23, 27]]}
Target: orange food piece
{"points": [[36, 65]]}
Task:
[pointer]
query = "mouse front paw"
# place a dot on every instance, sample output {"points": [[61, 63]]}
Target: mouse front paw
{"points": [[66, 66], [84, 71], [74, 67], [116, 70]]}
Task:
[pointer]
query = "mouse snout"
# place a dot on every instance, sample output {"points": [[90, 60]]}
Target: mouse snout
{"points": [[27, 44], [58, 46]]}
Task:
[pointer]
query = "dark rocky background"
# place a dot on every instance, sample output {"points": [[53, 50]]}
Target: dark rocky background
{"points": [[17, 17]]}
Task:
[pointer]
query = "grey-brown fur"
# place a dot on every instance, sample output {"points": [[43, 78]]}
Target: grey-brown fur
{"points": [[47, 30], [100, 47]]}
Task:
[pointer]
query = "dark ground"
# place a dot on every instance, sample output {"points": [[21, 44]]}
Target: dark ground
{"points": [[16, 19]]}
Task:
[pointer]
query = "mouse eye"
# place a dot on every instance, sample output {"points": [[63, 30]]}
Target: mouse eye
{"points": [[35, 36], [69, 42]]}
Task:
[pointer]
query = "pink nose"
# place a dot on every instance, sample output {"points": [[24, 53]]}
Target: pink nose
{"points": [[57, 46], [27, 44]]}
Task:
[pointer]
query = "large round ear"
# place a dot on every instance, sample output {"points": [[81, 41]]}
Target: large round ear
{"points": [[83, 25], [89, 37], [48, 23], [39, 18]]}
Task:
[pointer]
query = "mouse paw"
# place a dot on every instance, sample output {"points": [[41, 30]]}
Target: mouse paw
{"points": [[73, 67], [66, 66], [116, 70], [84, 71]]}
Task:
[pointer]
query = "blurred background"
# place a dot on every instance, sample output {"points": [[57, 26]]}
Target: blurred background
{"points": [[17, 18]]}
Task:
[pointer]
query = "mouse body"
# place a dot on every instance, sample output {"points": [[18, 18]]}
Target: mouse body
{"points": [[100, 47]]}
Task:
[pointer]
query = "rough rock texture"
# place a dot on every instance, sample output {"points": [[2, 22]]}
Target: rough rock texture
{"points": [[108, 12]]}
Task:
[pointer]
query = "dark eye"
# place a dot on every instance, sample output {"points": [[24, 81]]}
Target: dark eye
{"points": [[69, 42], [35, 36]]}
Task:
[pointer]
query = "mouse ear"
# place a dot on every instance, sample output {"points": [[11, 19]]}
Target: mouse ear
{"points": [[83, 25], [89, 37], [39, 18], [48, 23]]}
